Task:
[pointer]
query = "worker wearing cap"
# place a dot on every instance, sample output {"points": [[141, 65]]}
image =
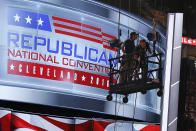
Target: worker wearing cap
{"points": [[141, 52], [127, 65], [128, 46]]}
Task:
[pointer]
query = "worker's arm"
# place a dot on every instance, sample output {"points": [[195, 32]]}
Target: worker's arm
{"points": [[123, 48], [149, 49]]}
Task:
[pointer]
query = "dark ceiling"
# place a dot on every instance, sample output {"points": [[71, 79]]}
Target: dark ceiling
{"points": [[158, 9]]}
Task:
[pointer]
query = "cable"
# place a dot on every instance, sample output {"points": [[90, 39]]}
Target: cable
{"points": [[119, 20], [128, 17], [119, 34], [134, 110], [140, 8], [115, 113], [119, 106], [129, 6]]}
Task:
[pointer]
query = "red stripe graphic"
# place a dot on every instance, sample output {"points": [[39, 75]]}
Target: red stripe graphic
{"points": [[57, 73], [151, 128], [12, 121], [110, 48], [5, 122], [20, 123], [80, 30], [61, 125], [79, 36], [75, 23], [108, 35], [106, 41], [100, 125], [85, 126], [77, 29]]}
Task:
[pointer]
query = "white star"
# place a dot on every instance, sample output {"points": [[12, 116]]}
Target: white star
{"points": [[12, 67], [28, 19], [17, 18], [83, 78], [40, 21]]}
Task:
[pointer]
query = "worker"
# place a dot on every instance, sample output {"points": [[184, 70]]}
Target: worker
{"points": [[127, 64], [142, 61]]}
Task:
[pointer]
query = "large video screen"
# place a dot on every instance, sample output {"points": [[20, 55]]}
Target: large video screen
{"points": [[65, 50]]}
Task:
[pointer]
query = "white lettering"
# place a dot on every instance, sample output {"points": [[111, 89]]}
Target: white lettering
{"points": [[34, 69], [54, 73], [68, 75], [91, 79], [27, 69], [75, 76], [61, 74], [102, 82], [20, 67], [41, 70], [48, 72], [108, 83], [97, 82]]}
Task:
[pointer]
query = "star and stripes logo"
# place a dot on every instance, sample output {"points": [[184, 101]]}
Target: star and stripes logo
{"points": [[28, 19], [62, 26]]}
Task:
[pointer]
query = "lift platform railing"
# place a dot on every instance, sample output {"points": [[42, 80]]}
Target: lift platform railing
{"points": [[135, 85]]}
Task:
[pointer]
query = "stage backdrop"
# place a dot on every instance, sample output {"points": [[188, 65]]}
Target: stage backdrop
{"points": [[56, 53]]}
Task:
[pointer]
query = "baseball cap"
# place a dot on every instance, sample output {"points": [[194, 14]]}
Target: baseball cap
{"points": [[133, 33], [143, 40]]}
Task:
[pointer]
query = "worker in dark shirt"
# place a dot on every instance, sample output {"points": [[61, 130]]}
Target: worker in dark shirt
{"points": [[127, 65], [129, 45], [141, 51]]}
